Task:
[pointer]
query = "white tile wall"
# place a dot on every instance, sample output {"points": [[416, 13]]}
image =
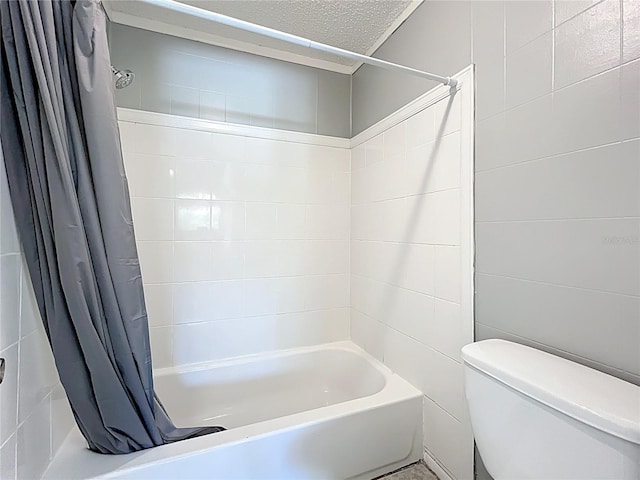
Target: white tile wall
{"points": [[34, 413], [243, 241], [406, 283]]}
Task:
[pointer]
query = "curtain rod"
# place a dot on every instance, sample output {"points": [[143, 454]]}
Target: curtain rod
{"points": [[294, 39]]}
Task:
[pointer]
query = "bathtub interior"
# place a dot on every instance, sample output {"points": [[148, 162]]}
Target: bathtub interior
{"points": [[244, 391]]}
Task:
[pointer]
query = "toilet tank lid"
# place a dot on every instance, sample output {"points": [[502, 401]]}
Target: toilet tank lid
{"points": [[592, 397]]}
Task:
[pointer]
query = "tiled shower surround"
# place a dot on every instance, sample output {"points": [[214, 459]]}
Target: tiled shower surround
{"points": [[252, 240], [243, 241]]}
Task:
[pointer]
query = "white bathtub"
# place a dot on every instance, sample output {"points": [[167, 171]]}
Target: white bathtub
{"points": [[325, 412]]}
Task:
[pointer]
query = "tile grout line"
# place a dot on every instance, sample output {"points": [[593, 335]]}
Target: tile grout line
{"points": [[549, 284], [560, 89], [561, 154]]}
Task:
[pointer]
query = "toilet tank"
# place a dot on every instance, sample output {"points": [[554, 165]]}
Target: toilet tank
{"points": [[538, 416]]}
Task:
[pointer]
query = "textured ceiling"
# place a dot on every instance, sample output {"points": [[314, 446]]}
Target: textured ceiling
{"points": [[354, 25]]}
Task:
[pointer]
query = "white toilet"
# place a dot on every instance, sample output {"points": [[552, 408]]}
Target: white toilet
{"points": [[541, 417]]}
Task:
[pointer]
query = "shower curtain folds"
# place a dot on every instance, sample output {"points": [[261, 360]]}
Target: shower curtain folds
{"points": [[61, 149]]}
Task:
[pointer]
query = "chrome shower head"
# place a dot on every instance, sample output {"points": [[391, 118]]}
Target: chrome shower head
{"points": [[123, 78]]}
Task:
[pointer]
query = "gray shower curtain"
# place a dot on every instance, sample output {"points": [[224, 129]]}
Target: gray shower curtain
{"points": [[69, 192]]}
